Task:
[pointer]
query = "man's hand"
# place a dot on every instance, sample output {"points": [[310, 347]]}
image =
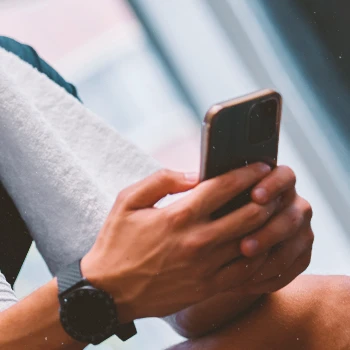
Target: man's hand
{"points": [[158, 261], [287, 237], [285, 240]]}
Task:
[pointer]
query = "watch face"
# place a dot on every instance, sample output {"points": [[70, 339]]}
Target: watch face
{"points": [[88, 313]]}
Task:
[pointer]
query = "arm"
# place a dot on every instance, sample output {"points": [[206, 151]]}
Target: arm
{"points": [[34, 321], [289, 229], [140, 277]]}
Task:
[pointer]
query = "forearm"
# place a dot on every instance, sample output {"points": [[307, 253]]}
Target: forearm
{"points": [[33, 323], [211, 315]]}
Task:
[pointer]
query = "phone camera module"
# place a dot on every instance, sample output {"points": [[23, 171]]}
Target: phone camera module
{"points": [[262, 121]]}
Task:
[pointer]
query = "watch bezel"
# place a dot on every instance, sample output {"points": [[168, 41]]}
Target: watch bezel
{"points": [[83, 288]]}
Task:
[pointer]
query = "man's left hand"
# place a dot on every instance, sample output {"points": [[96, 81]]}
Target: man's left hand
{"points": [[286, 238]]}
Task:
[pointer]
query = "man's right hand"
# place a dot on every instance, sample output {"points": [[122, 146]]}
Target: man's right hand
{"points": [[155, 262]]}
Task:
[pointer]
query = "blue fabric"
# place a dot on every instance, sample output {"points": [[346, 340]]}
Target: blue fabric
{"points": [[29, 55]]}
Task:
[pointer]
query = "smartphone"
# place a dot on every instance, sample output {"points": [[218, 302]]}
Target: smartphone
{"points": [[237, 133]]}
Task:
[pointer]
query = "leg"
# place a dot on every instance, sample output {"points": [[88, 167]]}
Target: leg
{"points": [[311, 313]]}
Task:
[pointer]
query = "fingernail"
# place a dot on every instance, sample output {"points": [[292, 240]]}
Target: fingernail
{"points": [[251, 245], [191, 177], [260, 194]]}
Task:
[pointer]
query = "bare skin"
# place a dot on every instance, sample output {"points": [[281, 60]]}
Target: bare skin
{"points": [[33, 323], [140, 252], [289, 234], [311, 313]]}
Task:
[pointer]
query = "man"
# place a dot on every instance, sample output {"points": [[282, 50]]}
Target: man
{"points": [[202, 272]]}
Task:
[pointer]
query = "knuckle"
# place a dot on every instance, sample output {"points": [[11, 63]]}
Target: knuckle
{"points": [[122, 197], [308, 212], [171, 218], [295, 216], [181, 217], [193, 246], [165, 175], [289, 173], [187, 213]]}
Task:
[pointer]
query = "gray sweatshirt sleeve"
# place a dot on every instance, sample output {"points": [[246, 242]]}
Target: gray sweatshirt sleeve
{"points": [[7, 295]]}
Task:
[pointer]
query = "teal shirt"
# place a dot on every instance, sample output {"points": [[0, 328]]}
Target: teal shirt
{"points": [[29, 55]]}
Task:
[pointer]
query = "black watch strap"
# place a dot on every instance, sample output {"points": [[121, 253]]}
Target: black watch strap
{"points": [[70, 276]]}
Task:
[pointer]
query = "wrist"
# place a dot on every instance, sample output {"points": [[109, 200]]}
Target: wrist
{"points": [[34, 321], [87, 313], [91, 268]]}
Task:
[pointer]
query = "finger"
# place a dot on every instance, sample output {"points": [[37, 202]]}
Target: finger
{"points": [[212, 194], [282, 280], [281, 259], [281, 179], [239, 223], [148, 192], [280, 228], [235, 274], [224, 254]]}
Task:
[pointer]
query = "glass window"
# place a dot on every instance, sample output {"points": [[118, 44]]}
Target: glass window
{"points": [[220, 49], [318, 44]]}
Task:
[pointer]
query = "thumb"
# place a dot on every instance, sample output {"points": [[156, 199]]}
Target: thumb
{"points": [[148, 192]]}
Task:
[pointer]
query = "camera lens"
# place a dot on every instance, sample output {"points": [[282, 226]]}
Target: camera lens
{"points": [[262, 121]]}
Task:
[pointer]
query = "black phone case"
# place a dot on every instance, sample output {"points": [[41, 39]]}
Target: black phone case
{"points": [[229, 147]]}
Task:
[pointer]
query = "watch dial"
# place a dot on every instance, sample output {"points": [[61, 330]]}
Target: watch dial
{"points": [[88, 312]]}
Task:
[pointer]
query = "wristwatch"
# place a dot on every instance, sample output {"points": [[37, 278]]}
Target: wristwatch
{"points": [[88, 314]]}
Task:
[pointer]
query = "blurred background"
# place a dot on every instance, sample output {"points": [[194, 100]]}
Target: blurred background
{"points": [[151, 68]]}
